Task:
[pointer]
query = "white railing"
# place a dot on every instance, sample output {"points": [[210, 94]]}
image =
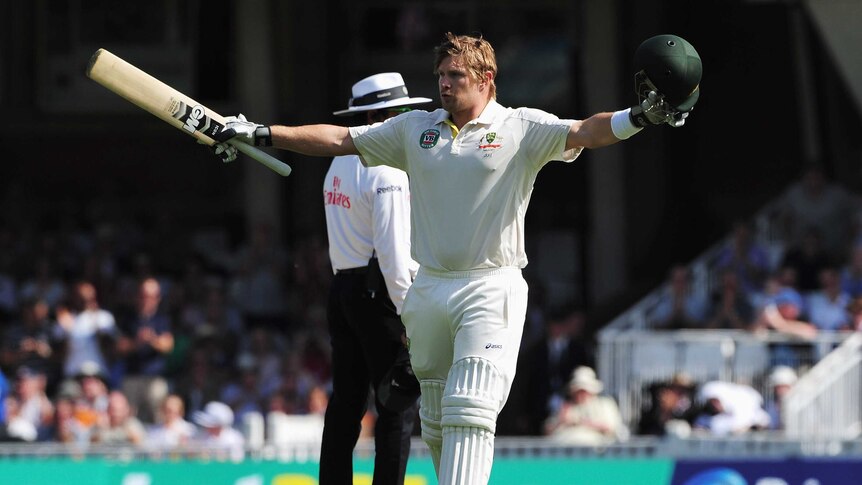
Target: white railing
{"points": [[826, 400], [630, 361], [758, 444]]}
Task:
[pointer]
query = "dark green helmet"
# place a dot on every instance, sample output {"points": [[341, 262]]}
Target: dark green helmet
{"points": [[669, 65]]}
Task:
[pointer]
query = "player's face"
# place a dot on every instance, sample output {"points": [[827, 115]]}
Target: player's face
{"points": [[459, 90]]}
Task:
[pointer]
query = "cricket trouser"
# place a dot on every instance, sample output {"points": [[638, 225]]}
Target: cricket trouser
{"points": [[366, 339], [465, 333]]}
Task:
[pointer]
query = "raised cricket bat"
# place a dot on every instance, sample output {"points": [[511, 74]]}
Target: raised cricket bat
{"points": [[167, 103]]}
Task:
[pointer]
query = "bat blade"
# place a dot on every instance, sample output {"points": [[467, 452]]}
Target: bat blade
{"points": [[168, 104]]}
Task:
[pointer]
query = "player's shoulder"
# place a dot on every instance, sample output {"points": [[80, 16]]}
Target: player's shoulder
{"points": [[534, 115]]}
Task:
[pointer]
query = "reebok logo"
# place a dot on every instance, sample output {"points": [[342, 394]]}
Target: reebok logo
{"points": [[391, 188], [493, 346]]}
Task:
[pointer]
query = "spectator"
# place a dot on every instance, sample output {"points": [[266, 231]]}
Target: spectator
{"points": [[785, 314], [148, 340], [171, 430], [781, 380], [680, 306], [86, 331], [43, 284], [808, 258], [34, 405], [93, 386], [242, 393], [65, 427], [219, 439], [27, 341], [827, 307], [119, 425], [587, 418], [548, 363], [745, 257], [18, 428], [818, 203], [671, 409], [730, 409], [854, 309], [201, 381], [730, 307], [267, 349], [258, 285]]}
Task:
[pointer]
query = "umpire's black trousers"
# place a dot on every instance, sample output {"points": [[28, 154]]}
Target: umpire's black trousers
{"points": [[366, 337]]}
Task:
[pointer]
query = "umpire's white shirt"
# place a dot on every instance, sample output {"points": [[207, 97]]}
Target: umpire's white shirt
{"points": [[470, 188], [368, 208]]}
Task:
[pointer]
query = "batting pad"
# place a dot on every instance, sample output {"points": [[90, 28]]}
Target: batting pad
{"points": [[430, 412], [468, 453], [474, 394]]}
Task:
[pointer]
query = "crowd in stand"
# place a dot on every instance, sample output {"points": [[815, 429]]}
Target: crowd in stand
{"points": [[112, 333], [116, 331]]}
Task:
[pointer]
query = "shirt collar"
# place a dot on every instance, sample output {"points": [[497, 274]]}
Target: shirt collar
{"points": [[491, 111]]}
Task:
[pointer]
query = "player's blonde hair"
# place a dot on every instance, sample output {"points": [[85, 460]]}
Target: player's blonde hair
{"points": [[475, 53]]}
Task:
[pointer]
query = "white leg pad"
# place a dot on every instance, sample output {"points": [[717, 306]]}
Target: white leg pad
{"points": [[430, 413], [474, 394], [468, 454], [473, 398]]}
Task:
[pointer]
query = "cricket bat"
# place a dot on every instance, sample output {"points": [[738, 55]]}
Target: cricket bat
{"points": [[168, 104]]}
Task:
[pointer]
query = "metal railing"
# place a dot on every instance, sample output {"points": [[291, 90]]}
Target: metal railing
{"points": [[826, 400], [753, 445], [630, 361]]}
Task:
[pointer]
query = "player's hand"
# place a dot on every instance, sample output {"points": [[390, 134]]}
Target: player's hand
{"points": [[654, 110], [225, 151], [240, 129]]}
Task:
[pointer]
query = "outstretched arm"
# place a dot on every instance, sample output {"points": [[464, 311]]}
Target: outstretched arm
{"points": [[603, 129], [593, 132], [314, 140]]}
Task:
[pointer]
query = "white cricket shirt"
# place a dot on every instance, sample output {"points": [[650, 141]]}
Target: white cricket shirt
{"points": [[368, 208], [470, 188]]}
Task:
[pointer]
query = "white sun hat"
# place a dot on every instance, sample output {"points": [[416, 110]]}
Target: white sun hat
{"points": [[380, 91], [585, 378], [214, 415]]}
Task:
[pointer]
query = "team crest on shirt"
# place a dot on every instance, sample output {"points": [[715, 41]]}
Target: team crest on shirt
{"points": [[429, 138], [486, 143]]}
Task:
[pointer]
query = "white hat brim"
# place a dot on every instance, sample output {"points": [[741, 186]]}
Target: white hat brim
{"points": [[392, 103]]}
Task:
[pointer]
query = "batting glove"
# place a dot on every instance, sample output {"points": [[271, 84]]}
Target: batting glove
{"points": [[240, 129], [225, 151], [654, 110]]}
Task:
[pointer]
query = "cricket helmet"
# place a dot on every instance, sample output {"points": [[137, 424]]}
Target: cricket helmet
{"points": [[669, 65]]}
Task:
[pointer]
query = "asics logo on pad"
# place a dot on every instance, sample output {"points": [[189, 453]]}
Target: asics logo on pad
{"points": [[493, 346]]}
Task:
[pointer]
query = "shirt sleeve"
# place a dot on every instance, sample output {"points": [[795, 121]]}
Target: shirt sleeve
{"points": [[546, 136], [390, 194], [381, 143]]}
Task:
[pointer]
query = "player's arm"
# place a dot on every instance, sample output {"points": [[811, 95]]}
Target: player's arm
{"points": [[315, 140], [603, 129]]}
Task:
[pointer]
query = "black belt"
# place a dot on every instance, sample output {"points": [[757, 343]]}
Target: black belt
{"points": [[359, 270]]}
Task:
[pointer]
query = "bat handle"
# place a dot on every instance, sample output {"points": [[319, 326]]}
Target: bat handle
{"points": [[261, 156]]}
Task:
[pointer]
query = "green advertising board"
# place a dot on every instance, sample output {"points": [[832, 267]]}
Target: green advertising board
{"points": [[420, 471]]}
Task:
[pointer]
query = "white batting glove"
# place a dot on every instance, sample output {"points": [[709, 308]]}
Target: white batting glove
{"points": [[654, 110], [240, 129], [225, 151]]}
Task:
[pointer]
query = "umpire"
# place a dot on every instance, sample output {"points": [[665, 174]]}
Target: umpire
{"points": [[368, 226]]}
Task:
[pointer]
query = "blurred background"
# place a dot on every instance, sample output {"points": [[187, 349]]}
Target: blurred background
{"points": [[780, 90], [93, 188]]}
